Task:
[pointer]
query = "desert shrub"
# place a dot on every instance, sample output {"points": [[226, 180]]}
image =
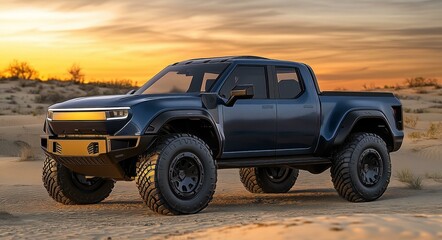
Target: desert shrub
{"points": [[407, 110], [421, 82], [25, 151], [435, 130], [113, 91], [407, 97], [93, 91], [412, 181], [76, 73], [416, 135], [10, 90], [50, 97], [370, 87], [420, 110], [21, 70], [27, 83], [411, 121], [422, 91], [434, 176], [117, 83]]}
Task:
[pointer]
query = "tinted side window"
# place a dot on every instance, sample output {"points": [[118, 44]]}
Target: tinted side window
{"points": [[255, 75], [289, 85]]}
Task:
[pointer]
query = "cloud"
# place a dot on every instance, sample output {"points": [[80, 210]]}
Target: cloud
{"points": [[343, 39]]}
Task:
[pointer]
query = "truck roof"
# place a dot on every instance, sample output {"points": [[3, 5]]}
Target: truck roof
{"points": [[227, 59]]}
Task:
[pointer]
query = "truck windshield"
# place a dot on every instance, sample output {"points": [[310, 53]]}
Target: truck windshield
{"points": [[192, 78]]}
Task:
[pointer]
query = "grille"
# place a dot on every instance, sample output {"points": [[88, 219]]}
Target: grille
{"points": [[83, 160], [57, 148], [92, 148]]}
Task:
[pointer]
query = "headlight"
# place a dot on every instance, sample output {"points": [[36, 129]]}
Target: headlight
{"points": [[88, 114], [117, 114]]}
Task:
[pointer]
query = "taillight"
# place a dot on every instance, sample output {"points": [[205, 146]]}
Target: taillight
{"points": [[397, 113]]}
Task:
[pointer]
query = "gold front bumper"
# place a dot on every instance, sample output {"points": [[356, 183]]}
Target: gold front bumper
{"points": [[77, 147]]}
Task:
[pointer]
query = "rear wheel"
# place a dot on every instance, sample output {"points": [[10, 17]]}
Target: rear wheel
{"points": [[178, 176], [268, 179], [68, 187], [361, 169]]}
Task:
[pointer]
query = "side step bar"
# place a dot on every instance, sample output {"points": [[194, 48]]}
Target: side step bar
{"points": [[309, 163]]}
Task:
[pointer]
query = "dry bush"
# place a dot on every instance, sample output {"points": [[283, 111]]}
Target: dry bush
{"points": [[411, 121], [421, 91], [435, 176], [28, 83], [116, 83], [25, 151], [51, 97], [421, 82], [370, 87], [412, 181], [408, 97], [76, 73], [416, 135], [420, 110], [435, 130], [21, 70]]}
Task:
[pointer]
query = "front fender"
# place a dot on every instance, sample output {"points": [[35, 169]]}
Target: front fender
{"points": [[158, 122]]}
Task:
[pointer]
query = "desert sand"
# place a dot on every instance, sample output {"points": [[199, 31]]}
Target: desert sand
{"points": [[311, 210]]}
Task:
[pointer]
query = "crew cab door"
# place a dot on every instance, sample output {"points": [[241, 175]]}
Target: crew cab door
{"points": [[250, 124], [298, 112]]}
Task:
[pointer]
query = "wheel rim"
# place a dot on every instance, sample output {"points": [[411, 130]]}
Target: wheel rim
{"points": [[277, 174], [370, 167], [86, 183], [186, 175]]}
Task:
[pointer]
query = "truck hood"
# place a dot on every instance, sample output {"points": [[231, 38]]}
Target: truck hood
{"points": [[118, 100]]}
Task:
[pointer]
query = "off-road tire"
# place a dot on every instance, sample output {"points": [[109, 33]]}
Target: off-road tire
{"points": [[349, 170], [257, 180], [160, 190], [63, 186]]}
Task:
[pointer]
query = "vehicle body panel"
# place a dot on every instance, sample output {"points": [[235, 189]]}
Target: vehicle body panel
{"points": [[273, 130]]}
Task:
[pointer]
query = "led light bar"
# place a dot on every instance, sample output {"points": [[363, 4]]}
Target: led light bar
{"points": [[85, 114]]}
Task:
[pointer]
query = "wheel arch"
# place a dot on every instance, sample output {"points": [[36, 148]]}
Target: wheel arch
{"points": [[197, 122], [369, 121]]}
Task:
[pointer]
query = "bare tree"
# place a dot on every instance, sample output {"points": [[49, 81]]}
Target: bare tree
{"points": [[76, 73], [21, 70]]}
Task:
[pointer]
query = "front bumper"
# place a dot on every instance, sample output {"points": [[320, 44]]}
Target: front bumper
{"points": [[96, 156]]}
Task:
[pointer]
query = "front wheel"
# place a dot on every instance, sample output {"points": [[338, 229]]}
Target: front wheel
{"points": [[178, 176], [68, 187], [361, 169]]}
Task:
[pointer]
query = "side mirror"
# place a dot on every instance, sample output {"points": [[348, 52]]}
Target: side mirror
{"points": [[241, 91], [132, 91]]}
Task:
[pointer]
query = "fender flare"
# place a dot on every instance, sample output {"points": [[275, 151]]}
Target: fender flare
{"points": [[350, 120], [158, 122]]}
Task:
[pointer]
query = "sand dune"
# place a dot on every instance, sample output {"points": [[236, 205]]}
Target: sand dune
{"points": [[367, 226], [311, 210]]}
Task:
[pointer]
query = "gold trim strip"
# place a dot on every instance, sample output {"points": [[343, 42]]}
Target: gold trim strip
{"points": [[78, 116]]}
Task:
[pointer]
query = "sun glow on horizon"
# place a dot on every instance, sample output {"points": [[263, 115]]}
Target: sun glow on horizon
{"points": [[347, 43]]}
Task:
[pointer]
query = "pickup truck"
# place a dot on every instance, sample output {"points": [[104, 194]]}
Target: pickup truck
{"points": [[266, 117]]}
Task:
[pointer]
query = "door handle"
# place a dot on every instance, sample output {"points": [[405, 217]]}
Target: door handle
{"points": [[267, 106], [308, 106]]}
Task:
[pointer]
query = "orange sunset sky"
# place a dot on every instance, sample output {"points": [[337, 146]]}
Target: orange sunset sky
{"points": [[347, 42]]}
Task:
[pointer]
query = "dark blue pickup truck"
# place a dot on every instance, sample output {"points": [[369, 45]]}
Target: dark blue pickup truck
{"points": [[266, 117]]}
